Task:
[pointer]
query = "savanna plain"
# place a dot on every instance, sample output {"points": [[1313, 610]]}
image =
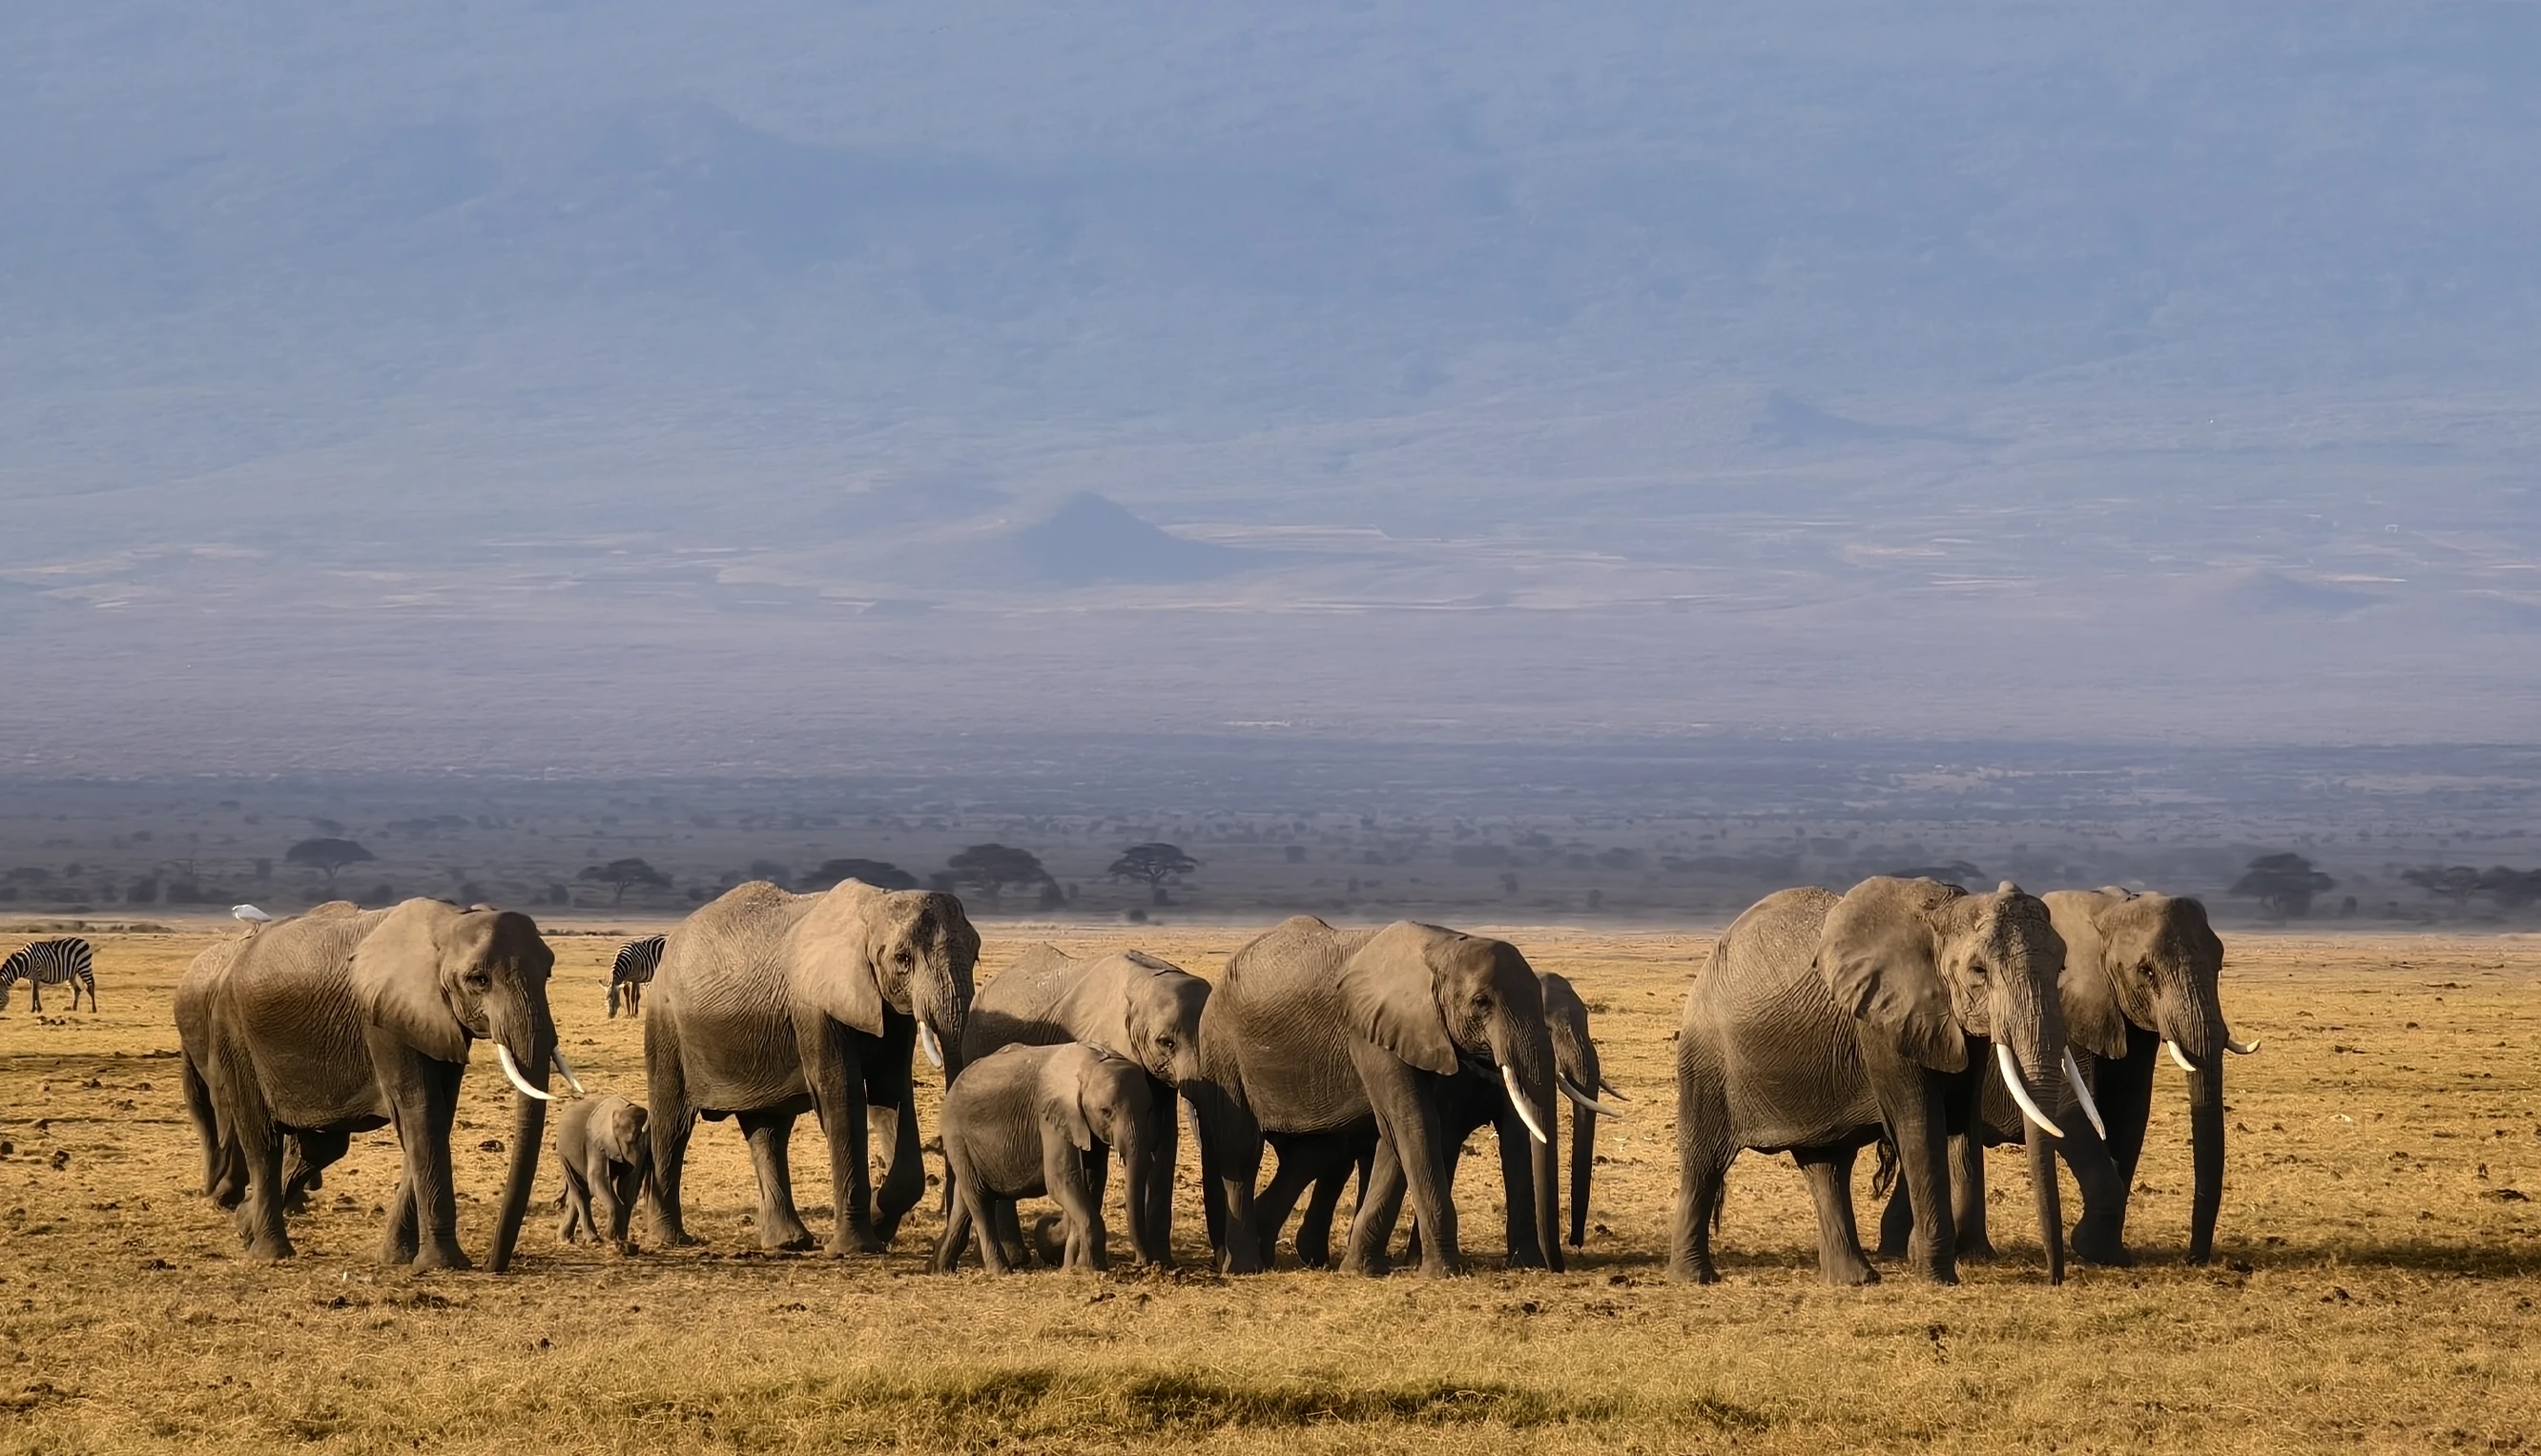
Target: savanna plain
{"points": [[2373, 1285]]}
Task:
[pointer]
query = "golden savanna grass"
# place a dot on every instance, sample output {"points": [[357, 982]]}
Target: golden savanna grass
{"points": [[2374, 1286]]}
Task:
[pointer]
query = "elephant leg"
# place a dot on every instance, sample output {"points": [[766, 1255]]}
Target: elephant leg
{"points": [[260, 1213], [671, 1123], [2123, 1087], [768, 1133], [1896, 1223], [1968, 1195], [423, 1101], [1830, 1174], [1315, 1225], [1164, 1155], [1008, 1228], [990, 1211], [1271, 1207], [846, 1121], [312, 1154], [1914, 1105], [903, 1174], [1703, 1152], [577, 1208], [625, 1187], [1527, 1242], [1072, 1178], [207, 1132], [1380, 1203], [1407, 1112]]}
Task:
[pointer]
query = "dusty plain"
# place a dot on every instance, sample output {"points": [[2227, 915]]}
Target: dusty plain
{"points": [[2373, 1289]]}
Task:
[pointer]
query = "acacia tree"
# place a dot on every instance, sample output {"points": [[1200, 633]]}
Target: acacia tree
{"points": [[2456, 884], [329, 855], [991, 867], [1155, 865], [2283, 885], [624, 874]]}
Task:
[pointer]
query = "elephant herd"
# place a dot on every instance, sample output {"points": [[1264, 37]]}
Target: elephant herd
{"points": [[1906, 1015]]}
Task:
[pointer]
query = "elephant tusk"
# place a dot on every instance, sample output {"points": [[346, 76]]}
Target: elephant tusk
{"points": [[1610, 1089], [1525, 1109], [512, 1072], [566, 1069], [2082, 1094], [2240, 1048], [934, 1050], [1579, 1098], [2020, 1093], [2178, 1056]]}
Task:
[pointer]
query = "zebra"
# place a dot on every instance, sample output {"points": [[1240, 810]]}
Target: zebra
{"points": [[636, 960], [51, 963]]}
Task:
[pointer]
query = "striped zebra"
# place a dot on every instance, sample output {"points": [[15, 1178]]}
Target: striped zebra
{"points": [[46, 963], [636, 960]]}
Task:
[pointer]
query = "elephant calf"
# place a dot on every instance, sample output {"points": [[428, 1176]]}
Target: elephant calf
{"points": [[1031, 1121], [605, 1151]]}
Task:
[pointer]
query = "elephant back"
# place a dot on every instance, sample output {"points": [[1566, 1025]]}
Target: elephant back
{"points": [[287, 995], [1277, 1017], [1758, 997], [196, 990], [1023, 1004], [728, 956]]}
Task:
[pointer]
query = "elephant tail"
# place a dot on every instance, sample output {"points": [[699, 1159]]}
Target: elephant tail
{"points": [[1883, 1174]]}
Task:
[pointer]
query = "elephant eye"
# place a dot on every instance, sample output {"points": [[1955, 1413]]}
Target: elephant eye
{"points": [[477, 980]]}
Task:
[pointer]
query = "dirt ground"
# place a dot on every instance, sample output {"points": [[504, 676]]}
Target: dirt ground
{"points": [[2374, 1283]]}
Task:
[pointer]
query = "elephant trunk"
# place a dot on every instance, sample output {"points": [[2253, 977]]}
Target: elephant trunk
{"points": [[1525, 1057], [1583, 1153], [1138, 1152], [528, 1133], [2029, 1029], [2206, 1131]]}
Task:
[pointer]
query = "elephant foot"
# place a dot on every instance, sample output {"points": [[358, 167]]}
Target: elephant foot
{"points": [[1692, 1271], [1979, 1248], [2199, 1258], [673, 1237], [442, 1253], [1375, 1265], [2100, 1247], [1848, 1274], [269, 1249], [847, 1243], [295, 1201]]}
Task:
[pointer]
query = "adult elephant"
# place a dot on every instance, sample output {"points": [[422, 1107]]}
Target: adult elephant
{"points": [[1144, 1008], [329, 1024], [1824, 1022], [1475, 1102], [2140, 988], [768, 1005], [1315, 1031]]}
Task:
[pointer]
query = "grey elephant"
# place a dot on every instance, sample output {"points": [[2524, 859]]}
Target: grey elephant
{"points": [[2139, 988], [1147, 1010], [1476, 1101], [769, 1004], [1315, 1032], [1823, 1023], [605, 1155], [224, 1163], [329, 1024], [1027, 1121]]}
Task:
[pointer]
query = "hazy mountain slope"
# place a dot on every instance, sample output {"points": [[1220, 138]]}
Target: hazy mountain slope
{"points": [[1700, 365]]}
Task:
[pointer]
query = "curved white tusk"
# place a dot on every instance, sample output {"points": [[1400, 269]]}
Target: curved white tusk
{"points": [[2240, 1048], [926, 1040], [2178, 1056], [512, 1072], [2082, 1094], [1579, 1098], [567, 1067], [2020, 1093], [1610, 1089], [1525, 1111]]}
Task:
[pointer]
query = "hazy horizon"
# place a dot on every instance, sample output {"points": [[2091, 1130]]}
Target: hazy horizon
{"points": [[632, 391]]}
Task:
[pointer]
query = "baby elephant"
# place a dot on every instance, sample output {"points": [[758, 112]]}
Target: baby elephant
{"points": [[1026, 1122], [607, 1159]]}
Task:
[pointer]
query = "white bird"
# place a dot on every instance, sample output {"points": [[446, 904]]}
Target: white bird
{"points": [[250, 914]]}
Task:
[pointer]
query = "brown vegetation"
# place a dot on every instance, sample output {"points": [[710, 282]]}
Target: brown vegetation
{"points": [[2376, 1273]]}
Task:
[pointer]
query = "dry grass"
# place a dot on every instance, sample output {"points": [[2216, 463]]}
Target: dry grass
{"points": [[2374, 1289]]}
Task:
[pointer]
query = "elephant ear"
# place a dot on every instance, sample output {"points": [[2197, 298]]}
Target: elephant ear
{"points": [[1567, 1017], [1878, 953], [1063, 1099], [831, 969], [2089, 987], [397, 983], [1390, 996]]}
